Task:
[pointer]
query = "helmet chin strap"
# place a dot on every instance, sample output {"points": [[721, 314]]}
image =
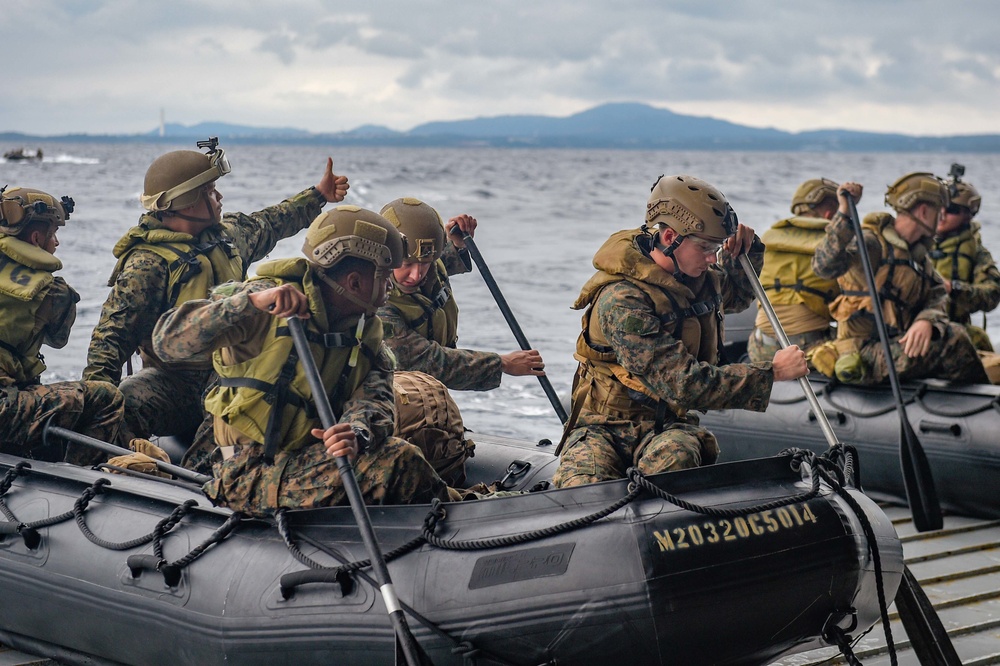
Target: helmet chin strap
{"points": [[369, 309], [668, 251]]}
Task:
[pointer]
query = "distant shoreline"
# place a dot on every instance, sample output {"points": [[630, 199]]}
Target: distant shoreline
{"points": [[617, 126]]}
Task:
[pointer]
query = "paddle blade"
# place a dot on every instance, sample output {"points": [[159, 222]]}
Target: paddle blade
{"points": [[918, 480], [927, 634]]}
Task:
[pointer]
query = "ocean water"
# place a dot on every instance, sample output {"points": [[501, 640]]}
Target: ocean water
{"points": [[542, 214]]}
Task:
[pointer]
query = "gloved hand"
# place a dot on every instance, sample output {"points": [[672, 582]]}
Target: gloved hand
{"points": [[143, 459]]}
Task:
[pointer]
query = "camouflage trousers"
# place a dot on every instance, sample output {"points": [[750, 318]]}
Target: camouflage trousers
{"points": [[393, 473], [951, 356], [761, 347], [601, 449], [89, 408], [164, 402]]}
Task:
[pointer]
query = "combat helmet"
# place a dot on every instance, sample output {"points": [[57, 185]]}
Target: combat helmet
{"points": [[21, 205], [420, 224], [351, 231], [174, 181], [690, 206], [811, 193], [964, 194], [914, 188]]}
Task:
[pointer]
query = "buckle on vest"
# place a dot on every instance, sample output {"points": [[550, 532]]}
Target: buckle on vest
{"points": [[338, 340], [442, 298]]}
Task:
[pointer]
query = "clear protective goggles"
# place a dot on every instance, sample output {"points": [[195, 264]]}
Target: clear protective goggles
{"points": [[218, 166], [706, 247]]}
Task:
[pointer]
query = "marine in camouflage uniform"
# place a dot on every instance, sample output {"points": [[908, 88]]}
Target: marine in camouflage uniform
{"points": [[800, 298], [652, 335], [180, 250], [421, 315], [970, 274], [38, 308], [262, 405], [914, 300]]}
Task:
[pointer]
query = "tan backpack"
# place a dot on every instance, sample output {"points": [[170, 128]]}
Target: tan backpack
{"points": [[427, 416]]}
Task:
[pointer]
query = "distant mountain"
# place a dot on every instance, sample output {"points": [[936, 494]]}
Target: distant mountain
{"points": [[228, 130], [617, 125]]}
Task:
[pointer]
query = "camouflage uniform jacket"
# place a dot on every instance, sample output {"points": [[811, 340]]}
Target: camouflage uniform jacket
{"points": [[975, 280], [228, 319], [837, 257], [458, 369], [646, 343], [140, 294]]}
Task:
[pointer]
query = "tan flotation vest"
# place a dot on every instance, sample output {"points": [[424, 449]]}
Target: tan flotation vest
{"points": [[904, 279], [692, 314], [196, 265], [25, 278], [787, 275], [267, 398], [431, 311], [954, 257]]}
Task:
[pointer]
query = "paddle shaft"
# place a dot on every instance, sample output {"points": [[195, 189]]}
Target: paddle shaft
{"points": [[77, 438], [357, 502], [917, 477], [920, 620], [484, 270], [779, 332]]}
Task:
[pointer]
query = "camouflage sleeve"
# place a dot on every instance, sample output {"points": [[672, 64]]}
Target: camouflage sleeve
{"points": [[372, 405], [137, 298], [983, 294], [838, 251], [456, 261], [935, 307], [737, 294], [58, 310], [630, 324], [255, 235], [197, 328], [458, 369]]}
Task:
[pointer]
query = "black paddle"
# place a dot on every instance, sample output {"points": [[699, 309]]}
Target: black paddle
{"points": [[927, 634], [550, 392], [917, 478], [94, 443], [403, 636]]}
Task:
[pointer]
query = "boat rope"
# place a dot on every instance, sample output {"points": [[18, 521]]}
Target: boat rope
{"points": [[907, 400], [170, 570], [837, 636], [992, 404]]}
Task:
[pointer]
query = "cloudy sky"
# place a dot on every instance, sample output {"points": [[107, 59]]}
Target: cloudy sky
{"points": [[110, 66]]}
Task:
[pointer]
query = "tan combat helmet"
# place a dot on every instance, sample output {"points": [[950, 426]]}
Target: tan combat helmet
{"points": [[21, 205], [420, 224], [964, 194], [174, 181], [352, 231], [690, 206], [914, 188], [811, 193]]}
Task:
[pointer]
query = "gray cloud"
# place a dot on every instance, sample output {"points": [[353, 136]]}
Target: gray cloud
{"points": [[101, 66]]}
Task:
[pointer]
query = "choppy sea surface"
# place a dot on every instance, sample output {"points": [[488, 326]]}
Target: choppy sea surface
{"points": [[542, 214]]}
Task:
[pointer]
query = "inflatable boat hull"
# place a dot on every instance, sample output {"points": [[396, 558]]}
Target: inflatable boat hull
{"points": [[650, 584], [957, 426]]}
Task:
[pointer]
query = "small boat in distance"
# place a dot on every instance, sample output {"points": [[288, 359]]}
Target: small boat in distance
{"points": [[20, 155]]}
